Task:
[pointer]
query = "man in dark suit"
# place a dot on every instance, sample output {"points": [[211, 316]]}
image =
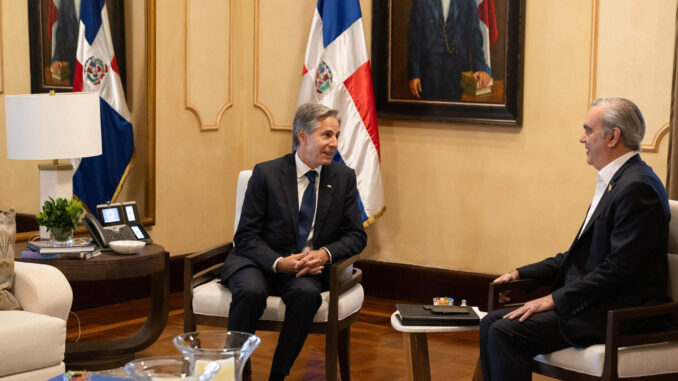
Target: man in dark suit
{"points": [[65, 39], [618, 257], [285, 238], [444, 39]]}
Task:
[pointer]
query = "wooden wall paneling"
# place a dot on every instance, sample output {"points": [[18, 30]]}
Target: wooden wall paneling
{"points": [[407, 283], [625, 34], [208, 60], [277, 77]]}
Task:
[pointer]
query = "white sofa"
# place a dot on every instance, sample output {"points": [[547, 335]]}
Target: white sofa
{"points": [[34, 340]]}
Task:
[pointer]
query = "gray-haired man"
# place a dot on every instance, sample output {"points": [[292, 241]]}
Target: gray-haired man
{"points": [[618, 257]]}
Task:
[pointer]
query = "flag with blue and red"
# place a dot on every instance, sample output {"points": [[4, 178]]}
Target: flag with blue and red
{"points": [[98, 179], [337, 74]]}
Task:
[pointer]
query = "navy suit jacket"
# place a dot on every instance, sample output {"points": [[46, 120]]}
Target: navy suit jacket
{"points": [[269, 221], [425, 35], [620, 259]]}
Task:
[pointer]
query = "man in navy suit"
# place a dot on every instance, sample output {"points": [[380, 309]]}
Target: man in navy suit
{"points": [[618, 257], [444, 39], [286, 238]]}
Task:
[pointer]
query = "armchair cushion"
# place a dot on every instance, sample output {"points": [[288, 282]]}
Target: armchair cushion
{"points": [[30, 341], [214, 299], [637, 361]]}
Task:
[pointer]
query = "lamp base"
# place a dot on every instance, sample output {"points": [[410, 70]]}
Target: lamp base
{"points": [[56, 181]]}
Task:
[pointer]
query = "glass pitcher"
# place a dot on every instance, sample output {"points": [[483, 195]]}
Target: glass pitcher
{"points": [[166, 368], [229, 348]]}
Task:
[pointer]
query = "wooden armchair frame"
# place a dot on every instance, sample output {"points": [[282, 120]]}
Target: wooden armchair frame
{"points": [[202, 267], [614, 338]]}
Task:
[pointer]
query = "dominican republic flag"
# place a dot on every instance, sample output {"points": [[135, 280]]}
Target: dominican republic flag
{"points": [[337, 74], [98, 179], [488, 26]]}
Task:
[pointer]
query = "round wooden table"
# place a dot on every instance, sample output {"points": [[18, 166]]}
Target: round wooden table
{"points": [[152, 260]]}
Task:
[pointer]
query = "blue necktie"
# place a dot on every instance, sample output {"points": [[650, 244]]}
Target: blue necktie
{"points": [[306, 211]]}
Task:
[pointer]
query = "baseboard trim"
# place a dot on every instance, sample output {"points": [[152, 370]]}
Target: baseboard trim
{"points": [[419, 284]]}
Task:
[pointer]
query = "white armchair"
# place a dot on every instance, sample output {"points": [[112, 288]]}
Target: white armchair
{"points": [[34, 340], [207, 302]]}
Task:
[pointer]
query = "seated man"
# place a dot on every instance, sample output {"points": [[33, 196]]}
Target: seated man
{"points": [[291, 226], [618, 258]]}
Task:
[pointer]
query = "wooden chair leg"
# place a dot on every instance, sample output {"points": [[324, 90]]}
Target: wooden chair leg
{"points": [[344, 354], [331, 344]]}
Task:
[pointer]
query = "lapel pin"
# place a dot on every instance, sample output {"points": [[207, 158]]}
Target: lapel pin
{"points": [[609, 188], [329, 186]]}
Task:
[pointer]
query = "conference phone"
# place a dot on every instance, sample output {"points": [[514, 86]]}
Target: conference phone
{"points": [[116, 222]]}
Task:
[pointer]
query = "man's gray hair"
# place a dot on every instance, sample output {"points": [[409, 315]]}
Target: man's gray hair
{"points": [[308, 118], [625, 115]]}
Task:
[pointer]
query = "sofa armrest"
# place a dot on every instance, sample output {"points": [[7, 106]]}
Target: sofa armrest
{"points": [[42, 289]]}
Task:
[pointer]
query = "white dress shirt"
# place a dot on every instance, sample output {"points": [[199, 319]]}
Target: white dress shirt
{"points": [[446, 8], [603, 178]]}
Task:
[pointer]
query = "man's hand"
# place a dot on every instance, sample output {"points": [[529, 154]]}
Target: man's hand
{"points": [[508, 277], [544, 303], [288, 264], [415, 87], [311, 262], [56, 67], [482, 78]]}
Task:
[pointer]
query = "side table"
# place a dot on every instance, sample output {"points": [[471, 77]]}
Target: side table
{"points": [[152, 260], [416, 344]]}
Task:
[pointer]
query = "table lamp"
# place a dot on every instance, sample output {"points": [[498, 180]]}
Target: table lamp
{"points": [[52, 127]]}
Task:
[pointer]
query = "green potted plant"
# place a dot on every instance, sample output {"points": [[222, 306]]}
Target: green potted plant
{"points": [[60, 217]]}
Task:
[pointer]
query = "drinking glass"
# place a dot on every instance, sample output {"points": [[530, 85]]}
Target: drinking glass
{"points": [[166, 368], [230, 349]]}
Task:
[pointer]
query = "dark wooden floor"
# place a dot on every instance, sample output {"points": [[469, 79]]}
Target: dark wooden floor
{"points": [[376, 348]]}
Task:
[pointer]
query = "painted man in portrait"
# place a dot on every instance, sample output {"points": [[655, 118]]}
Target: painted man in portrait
{"points": [[444, 40]]}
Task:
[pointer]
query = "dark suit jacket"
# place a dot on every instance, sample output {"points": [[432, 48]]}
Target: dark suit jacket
{"points": [[270, 216], [425, 36], [619, 261]]}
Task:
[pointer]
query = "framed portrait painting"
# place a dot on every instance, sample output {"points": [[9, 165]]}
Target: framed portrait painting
{"points": [[448, 60], [53, 37]]}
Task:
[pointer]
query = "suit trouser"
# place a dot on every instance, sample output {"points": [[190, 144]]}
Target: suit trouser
{"points": [[250, 287], [507, 346]]}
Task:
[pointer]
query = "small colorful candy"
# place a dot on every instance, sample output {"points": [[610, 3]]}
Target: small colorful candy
{"points": [[443, 301]]}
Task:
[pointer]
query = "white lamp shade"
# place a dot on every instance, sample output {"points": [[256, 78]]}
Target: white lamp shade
{"points": [[46, 127]]}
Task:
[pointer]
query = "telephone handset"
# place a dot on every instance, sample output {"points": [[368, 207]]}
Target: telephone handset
{"points": [[95, 230]]}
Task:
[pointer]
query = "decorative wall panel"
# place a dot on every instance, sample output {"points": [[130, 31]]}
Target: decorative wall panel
{"points": [[633, 58], [279, 48], [208, 60]]}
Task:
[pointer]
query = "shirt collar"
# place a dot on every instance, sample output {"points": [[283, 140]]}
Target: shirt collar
{"points": [[302, 168], [605, 174]]}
